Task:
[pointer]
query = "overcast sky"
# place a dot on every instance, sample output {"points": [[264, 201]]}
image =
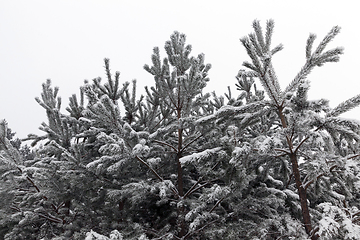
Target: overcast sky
{"points": [[66, 41]]}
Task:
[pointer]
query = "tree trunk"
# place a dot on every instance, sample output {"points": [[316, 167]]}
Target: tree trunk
{"points": [[302, 195], [181, 209], [179, 168], [301, 190]]}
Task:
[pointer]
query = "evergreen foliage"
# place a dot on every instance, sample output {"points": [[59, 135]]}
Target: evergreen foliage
{"points": [[183, 164]]}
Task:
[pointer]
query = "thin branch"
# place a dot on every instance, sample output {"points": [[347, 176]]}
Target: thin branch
{"points": [[193, 186], [15, 208], [282, 155], [198, 188], [157, 124], [301, 143], [333, 167], [152, 231], [151, 169], [156, 174], [58, 207], [216, 204], [282, 150], [176, 237], [182, 150], [290, 144], [32, 183], [292, 133], [200, 229], [164, 143], [357, 155], [312, 181], [348, 213], [23, 189], [51, 218], [345, 205], [290, 178], [356, 214], [319, 176], [215, 165]]}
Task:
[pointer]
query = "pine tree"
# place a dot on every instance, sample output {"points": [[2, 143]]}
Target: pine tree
{"points": [[300, 140], [175, 102]]}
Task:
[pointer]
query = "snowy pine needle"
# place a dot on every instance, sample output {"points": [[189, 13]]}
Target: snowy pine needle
{"points": [[345, 106]]}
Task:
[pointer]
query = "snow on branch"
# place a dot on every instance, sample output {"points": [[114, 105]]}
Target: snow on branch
{"points": [[258, 49], [199, 156], [317, 58], [345, 106], [228, 110], [8, 154]]}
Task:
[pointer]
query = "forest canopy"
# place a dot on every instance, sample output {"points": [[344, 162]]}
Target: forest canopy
{"points": [[182, 163]]}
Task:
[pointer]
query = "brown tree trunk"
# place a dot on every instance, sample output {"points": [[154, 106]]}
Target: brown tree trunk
{"points": [[302, 195], [179, 168], [181, 209], [301, 190]]}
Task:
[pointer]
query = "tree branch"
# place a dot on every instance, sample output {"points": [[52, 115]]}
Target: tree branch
{"points": [[51, 218], [166, 144], [193, 186], [151, 169], [198, 188], [156, 174], [201, 186], [200, 229], [216, 204], [357, 155], [182, 150], [32, 183], [319, 176], [301, 143], [282, 150]]}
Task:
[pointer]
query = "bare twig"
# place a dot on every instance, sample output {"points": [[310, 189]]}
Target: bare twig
{"points": [[182, 150], [290, 178], [166, 144], [151, 169], [51, 218], [301, 143], [193, 186], [282, 150], [200, 229], [199, 187], [216, 204], [32, 183], [319, 176], [353, 156], [156, 174]]}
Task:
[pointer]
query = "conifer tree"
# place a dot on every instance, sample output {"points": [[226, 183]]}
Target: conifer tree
{"points": [[296, 141], [178, 100]]}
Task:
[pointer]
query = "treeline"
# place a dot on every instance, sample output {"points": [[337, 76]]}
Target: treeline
{"points": [[179, 163]]}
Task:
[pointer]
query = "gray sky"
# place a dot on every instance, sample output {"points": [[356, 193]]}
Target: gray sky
{"points": [[66, 41]]}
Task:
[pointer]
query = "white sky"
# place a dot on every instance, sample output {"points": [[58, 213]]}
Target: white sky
{"points": [[67, 41]]}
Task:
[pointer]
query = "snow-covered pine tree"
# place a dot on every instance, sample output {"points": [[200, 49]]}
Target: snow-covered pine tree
{"points": [[26, 208], [61, 193], [301, 145], [176, 145], [40, 191], [160, 135], [256, 206], [9, 159]]}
